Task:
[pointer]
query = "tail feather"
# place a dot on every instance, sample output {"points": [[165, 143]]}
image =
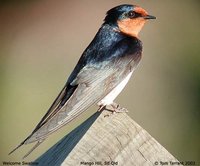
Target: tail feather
{"points": [[24, 142], [19, 145], [16, 148], [34, 147]]}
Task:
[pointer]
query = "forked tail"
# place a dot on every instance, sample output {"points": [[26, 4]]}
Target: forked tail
{"points": [[29, 152]]}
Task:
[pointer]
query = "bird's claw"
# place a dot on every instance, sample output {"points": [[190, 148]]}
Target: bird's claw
{"points": [[116, 108], [113, 108]]}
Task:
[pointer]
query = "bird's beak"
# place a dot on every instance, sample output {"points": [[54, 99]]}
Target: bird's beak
{"points": [[149, 17]]}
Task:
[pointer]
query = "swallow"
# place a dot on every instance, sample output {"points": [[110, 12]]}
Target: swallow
{"points": [[101, 73]]}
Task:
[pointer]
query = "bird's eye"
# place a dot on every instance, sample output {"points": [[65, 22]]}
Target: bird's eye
{"points": [[131, 14]]}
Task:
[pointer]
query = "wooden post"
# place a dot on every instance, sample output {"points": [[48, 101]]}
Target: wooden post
{"points": [[107, 140]]}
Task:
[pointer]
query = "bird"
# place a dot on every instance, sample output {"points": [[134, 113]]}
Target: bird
{"points": [[101, 73]]}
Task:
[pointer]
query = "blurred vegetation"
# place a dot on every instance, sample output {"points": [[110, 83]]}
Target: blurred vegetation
{"points": [[14, 2], [41, 42]]}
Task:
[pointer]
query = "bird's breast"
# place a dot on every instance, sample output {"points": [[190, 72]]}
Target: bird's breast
{"points": [[110, 97]]}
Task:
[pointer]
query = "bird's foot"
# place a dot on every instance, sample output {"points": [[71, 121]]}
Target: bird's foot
{"points": [[117, 108], [114, 108], [101, 108]]}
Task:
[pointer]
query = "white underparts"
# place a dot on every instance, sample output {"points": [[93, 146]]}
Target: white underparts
{"points": [[107, 100]]}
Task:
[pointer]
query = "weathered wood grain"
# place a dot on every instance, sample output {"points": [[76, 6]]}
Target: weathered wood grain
{"points": [[107, 140]]}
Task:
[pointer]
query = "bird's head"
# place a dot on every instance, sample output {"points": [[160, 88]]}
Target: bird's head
{"points": [[129, 19]]}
